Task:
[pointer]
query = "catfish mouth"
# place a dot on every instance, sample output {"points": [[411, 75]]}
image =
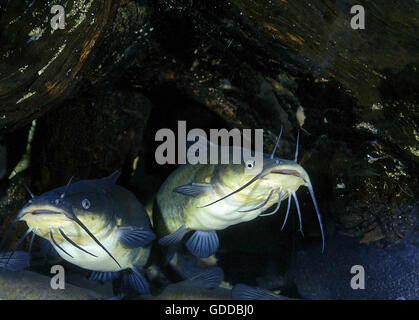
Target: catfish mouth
{"points": [[40, 212], [291, 172], [37, 212], [288, 172]]}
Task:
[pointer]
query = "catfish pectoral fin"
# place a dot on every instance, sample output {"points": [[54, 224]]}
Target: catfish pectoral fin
{"points": [[203, 244], [193, 189], [136, 281], [103, 276], [135, 237], [174, 238]]}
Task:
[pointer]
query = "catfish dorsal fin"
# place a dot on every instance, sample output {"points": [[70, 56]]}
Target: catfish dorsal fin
{"points": [[113, 178], [193, 189], [200, 143]]}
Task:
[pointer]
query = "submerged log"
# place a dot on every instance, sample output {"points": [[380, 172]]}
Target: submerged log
{"points": [[40, 66]]}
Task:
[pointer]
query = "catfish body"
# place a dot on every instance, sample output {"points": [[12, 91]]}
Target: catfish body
{"points": [[205, 198], [178, 209], [96, 225]]}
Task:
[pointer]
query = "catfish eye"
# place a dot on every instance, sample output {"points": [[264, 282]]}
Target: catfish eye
{"points": [[85, 204], [250, 164]]}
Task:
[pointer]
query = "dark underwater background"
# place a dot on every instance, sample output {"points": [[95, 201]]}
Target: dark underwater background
{"points": [[88, 100]]}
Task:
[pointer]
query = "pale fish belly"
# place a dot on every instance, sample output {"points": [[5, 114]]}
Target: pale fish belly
{"points": [[103, 262], [218, 216]]}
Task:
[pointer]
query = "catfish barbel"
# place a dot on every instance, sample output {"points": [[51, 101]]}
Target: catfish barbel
{"points": [[94, 224], [204, 198]]}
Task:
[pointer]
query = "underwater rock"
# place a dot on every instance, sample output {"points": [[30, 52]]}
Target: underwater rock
{"points": [[390, 272], [188, 290], [104, 289], [27, 285]]}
